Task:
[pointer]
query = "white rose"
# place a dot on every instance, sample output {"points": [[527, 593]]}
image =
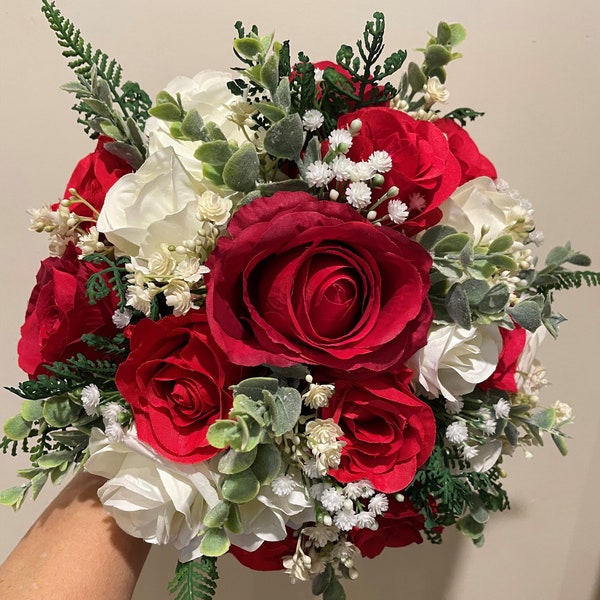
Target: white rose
{"points": [[265, 518], [154, 206], [478, 204], [454, 359], [208, 93], [150, 497]]}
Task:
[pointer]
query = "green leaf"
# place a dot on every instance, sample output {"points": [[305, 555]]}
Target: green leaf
{"points": [[242, 405], [127, 152], [287, 185], [503, 262], [218, 514], [478, 509], [282, 97], [495, 300], [284, 407], [272, 112], [544, 419], [233, 462], [55, 459], [285, 138], [434, 235], [558, 255], [269, 73], [17, 428], [214, 132], [334, 590], [267, 464], [214, 153], [470, 527], [60, 411], [241, 487], [248, 47], [527, 314], [220, 432], [457, 305], [475, 289], [437, 56], [38, 482], [561, 443], [234, 520], [511, 433], [501, 244], [13, 496], [416, 77], [32, 410], [193, 126], [254, 386], [166, 112], [322, 580], [98, 107], [581, 260], [451, 243], [214, 542], [458, 34], [242, 169]]}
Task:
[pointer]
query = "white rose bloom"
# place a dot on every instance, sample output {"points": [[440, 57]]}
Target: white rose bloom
{"points": [[454, 359], [208, 93], [487, 456], [265, 518], [152, 207], [150, 497], [479, 204]]}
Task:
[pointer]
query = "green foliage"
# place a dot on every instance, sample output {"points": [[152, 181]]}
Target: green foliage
{"points": [[111, 278], [98, 87], [463, 115], [195, 580], [455, 495]]}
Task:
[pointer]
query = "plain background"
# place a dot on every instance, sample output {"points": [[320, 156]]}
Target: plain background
{"points": [[532, 67]]}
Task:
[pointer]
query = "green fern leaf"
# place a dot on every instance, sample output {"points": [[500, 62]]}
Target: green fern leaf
{"points": [[195, 580]]}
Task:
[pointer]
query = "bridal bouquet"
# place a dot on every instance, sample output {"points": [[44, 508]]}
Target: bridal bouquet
{"points": [[290, 313]]}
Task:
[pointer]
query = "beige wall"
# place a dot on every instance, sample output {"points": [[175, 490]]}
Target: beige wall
{"points": [[532, 66]]}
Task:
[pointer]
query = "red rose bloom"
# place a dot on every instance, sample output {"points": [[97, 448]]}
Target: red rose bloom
{"points": [[58, 314], [308, 281], [503, 378], [93, 176], [268, 556], [176, 380], [388, 431], [400, 526], [472, 163], [423, 167]]}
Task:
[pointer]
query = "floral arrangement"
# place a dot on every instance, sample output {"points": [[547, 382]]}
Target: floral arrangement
{"points": [[290, 313]]}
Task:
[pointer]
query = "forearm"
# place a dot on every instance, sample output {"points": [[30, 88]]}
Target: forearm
{"points": [[73, 551]]}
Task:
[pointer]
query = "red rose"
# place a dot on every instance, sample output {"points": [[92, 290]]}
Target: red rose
{"points": [[93, 176], [503, 378], [308, 281], [58, 314], [472, 163], [269, 555], [176, 380], [423, 167], [400, 526], [388, 431]]}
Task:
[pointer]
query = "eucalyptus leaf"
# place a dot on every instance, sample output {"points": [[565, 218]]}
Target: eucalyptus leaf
{"points": [[433, 236], [495, 300], [243, 405], [234, 520], [17, 428], [13, 496], [287, 185], [220, 432], [470, 527], [511, 433], [558, 255], [192, 126], [267, 463], [416, 77], [527, 314], [241, 487], [215, 153], [38, 482], [218, 514], [457, 305], [475, 290], [269, 74], [501, 244], [451, 243], [544, 419], [437, 56], [98, 107], [232, 462], [282, 97], [127, 152], [55, 459], [273, 113], [248, 47], [242, 169], [284, 407], [214, 132], [254, 386], [214, 542], [334, 591], [560, 443], [503, 262], [166, 112], [60, 411], [285, 138]]}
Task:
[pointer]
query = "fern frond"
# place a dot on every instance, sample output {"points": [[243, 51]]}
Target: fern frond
{"points": [[89, 65], [195, 580], [566, 280]]}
